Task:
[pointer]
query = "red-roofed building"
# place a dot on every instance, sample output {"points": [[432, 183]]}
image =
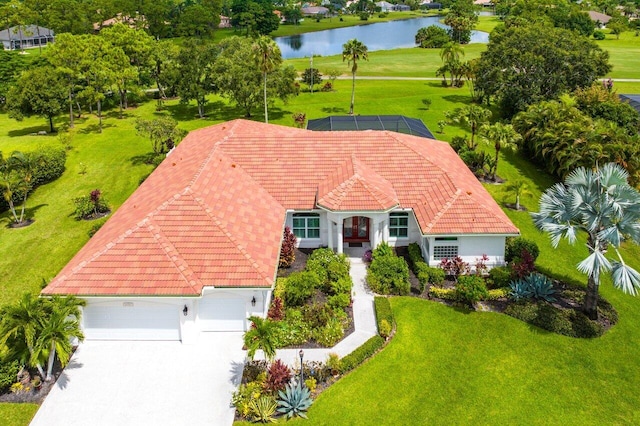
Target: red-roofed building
{"points": [[196, 247]]}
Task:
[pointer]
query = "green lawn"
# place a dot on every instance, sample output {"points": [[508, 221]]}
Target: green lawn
{"points": [[624, 55], [32, 256], [17, 414], [310, 24]]}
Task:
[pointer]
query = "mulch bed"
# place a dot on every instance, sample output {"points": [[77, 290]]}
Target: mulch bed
{"points": [[33, 395], [23, 224], [96, 216]]}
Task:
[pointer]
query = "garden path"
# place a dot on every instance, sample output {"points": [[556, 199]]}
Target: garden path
{"points": [[364, 319]]}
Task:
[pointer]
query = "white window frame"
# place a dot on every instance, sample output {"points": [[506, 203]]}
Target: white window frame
{"points": [[305, 228], [397, 227]]}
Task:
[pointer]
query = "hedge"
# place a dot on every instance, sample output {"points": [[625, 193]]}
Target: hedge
{"points": [[49, 167], [361, 354], [443, 293], [422, 270], [567, 322], [389, 274], [383, 311]]}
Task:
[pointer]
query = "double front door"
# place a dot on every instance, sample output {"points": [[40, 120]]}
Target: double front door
{"points": [[356, 229]]}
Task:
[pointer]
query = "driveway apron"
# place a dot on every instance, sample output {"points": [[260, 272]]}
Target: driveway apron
{"points": [[147, 383]]}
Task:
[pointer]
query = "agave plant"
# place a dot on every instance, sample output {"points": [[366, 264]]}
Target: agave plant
{"points": [[541, 287], [294, 401], [263, 409], [519, 290]]}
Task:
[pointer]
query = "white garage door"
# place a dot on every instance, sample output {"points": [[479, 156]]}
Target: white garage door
{"points": [[131, 321], [221, 314]]}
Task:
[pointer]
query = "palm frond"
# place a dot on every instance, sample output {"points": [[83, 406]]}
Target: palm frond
{"points": [[625, 278]]}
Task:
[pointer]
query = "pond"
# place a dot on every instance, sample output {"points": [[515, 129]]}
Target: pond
{"points": [[377, 36]]}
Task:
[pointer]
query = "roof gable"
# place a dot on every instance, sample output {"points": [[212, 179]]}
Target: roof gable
{"points": [[355, 186]]}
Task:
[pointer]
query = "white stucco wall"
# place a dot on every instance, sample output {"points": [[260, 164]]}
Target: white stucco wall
{"points": [[471, 248]]}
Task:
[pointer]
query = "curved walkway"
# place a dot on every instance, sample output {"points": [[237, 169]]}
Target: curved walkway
{"points": [[364, 318]]}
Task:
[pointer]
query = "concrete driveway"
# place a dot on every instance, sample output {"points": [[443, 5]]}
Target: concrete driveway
{"points": [[147, 383]]}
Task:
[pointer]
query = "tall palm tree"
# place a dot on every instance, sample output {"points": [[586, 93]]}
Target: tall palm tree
{"points": [[268, 57], [20, 326], [261, 336], [601, 203], [61, 325], [352, 52], [502, 136]]}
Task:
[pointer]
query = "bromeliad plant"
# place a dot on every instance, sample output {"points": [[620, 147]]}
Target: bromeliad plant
{"points": [[294, 401]]}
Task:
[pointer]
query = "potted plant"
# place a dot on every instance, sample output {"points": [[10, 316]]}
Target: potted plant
{"points": [[36, 383]]}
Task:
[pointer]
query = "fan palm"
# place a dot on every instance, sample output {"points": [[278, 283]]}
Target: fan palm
{"points": [[352, 52], [261, 336], [268, 57], [601, 203]]}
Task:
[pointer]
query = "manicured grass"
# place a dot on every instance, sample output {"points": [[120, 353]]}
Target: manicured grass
{"points": [[310, 24], [17, 414], [487, 23], [413, 62], [624, 54]]}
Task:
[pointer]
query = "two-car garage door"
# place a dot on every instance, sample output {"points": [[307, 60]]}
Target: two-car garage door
{"points": [[142, 320], [131, 321]]}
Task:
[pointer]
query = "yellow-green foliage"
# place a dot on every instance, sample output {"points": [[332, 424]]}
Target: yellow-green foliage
{"points": [[443, 293]]}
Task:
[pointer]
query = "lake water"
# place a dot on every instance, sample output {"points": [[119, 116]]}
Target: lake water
{"points": [[377, 36]]}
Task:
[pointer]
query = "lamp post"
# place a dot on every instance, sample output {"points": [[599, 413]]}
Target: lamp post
{"points": [[311, 65], [301, 353]]}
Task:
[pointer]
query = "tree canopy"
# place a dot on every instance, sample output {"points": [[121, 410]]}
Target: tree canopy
{"points": [[523, 65]]}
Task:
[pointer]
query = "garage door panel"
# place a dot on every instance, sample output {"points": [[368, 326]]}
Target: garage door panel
{"points": [[222, 314], [137, 322]]}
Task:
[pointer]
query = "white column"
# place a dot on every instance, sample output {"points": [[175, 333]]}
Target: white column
{"points": [[384, 230], [330, 233], [374, 238], [339, 229]]}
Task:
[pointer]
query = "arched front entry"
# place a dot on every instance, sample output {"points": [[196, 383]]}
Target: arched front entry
{"points": [[355, 229]]}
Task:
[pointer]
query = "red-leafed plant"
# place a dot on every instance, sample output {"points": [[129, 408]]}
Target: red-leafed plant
{"points": [[278, 377], [454, 267], [524, 265], [481, 265], [276, 310], [288, 248]]}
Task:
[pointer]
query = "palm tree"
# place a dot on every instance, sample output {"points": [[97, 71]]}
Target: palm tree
{"points": [[352, 52], [26, 165], [519, 188], [601, 203], [59, 328], [268, 57], [9, 184], [502, 136], [20, 327], [450, 54], [261, 336], [471, 116]]}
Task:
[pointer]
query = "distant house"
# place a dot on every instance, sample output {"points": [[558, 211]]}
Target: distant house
{"points": [[225, 22], [401, 8], [600, 19], [130, 21], [484, 3], [315, 11], [26, 37], [385, 6]]}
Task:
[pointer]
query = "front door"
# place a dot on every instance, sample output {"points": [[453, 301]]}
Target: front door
{"points": [[356, 229]]}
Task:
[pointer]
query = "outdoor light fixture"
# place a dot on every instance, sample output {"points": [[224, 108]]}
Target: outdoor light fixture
{"points": [[301, 353], [253, 301], [185, 311]]}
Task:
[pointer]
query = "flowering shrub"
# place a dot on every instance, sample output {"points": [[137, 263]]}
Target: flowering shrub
{"points": [[454, 267]]}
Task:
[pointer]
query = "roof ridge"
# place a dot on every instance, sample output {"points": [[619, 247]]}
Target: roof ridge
{"points": [[371, 187], [230, 236], [444, 209], [181, 265]]}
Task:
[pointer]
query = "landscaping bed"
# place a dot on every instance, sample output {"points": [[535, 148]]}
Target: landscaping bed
{"points": [[28, 392], [517, 290]]}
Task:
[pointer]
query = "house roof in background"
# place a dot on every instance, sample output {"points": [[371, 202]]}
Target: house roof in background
{"points": [[599, 17], [633, 100]]}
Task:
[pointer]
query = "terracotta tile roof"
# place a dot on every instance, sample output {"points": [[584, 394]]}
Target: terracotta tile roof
{"points": [[212, 213], [355, 186]]}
